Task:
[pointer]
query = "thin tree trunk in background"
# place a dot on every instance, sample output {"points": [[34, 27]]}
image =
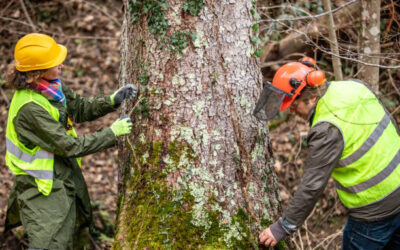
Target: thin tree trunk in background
{"points": [[337, 65], [369, 47], [197, 171]]}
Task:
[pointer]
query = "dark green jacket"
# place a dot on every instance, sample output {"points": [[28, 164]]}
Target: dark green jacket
{"points": [[50, 221]]}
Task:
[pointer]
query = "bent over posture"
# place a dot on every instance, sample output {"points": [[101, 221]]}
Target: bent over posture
{"points": [[49, 196], [354, 140]]}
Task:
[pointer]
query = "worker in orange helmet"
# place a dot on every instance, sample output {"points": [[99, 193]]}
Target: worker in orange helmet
{"points": [[353, 139]]}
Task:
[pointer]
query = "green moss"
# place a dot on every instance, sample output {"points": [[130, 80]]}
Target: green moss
{"points": [[177, 149], [157, 216], [161, 218], [156, 154]]}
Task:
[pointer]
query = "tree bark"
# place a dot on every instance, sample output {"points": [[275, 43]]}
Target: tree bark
{"points": [[369, 47], [197, 170], [337, 65]]}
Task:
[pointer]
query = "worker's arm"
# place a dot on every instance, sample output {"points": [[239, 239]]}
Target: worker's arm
{"points": [[35, 126], [325, 144], [87, 109]]}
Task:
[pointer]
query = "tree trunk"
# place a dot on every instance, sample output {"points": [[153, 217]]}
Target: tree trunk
{"points": [[369, 47], [197, 169], [337, 65]]}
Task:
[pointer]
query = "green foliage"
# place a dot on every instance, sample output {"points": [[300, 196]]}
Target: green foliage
{"points": [[236, 160], [255, 14], [193, 6], [143, 108], [255, 27], [143, 78], [258, 52], [255, 40], [153, 10], [179, 41], [154, 13]]}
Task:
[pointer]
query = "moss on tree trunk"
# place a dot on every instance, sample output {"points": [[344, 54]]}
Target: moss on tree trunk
{"points": [[197, 171]]}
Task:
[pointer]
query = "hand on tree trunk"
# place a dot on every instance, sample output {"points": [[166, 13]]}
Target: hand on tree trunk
{"points": [[267, 238]]}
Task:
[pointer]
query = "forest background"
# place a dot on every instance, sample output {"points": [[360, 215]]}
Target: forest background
{"points": [[284, 31]]}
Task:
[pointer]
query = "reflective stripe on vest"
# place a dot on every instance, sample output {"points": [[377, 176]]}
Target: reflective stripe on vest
{"points": [[21, 160], [369, 168], [17, 152], [374, 180], [367, 145]]}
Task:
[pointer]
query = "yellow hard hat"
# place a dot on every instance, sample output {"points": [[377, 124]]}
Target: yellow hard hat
{"points": [[38, 51]]}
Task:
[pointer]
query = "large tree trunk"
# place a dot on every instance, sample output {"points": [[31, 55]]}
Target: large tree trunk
{"points": [[196, 170], [370, 47]]}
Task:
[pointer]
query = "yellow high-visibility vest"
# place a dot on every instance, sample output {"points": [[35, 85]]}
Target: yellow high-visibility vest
{"points": [[35, 162], [369, 167]]}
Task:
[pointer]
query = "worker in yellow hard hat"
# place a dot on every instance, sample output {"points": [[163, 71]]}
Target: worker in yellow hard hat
{"points": [[49, 196], [353, 139]]}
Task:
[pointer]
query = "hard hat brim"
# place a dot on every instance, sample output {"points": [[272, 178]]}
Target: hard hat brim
{"points": [[55, 62], [61, 56]]}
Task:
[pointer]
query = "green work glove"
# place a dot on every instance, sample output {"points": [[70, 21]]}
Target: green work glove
{"points": [[128, 91], [122, 126]]}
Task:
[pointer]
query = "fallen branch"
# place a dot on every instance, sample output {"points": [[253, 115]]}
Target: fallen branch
{"points": [[328, 238]]}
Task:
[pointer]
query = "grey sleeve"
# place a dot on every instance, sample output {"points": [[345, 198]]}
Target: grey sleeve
{"points": [[326, 145]]}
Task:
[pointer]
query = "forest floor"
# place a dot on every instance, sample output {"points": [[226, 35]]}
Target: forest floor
{"points": [[91, 30]]}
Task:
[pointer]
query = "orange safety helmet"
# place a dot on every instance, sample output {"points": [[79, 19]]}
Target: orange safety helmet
{"points": [[293, 77], [288, 82], [38, 51]]}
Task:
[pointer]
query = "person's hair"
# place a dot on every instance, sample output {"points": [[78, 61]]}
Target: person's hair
{"points": [[311, 92], [22, 80]]}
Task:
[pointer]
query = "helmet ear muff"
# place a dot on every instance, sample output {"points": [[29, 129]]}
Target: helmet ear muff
{"points": [[315, 78]]}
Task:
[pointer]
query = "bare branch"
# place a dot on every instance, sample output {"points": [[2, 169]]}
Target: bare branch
{"points": [[311, 17], [27, 15], [14, 20], [336, 55], [99, 9]]}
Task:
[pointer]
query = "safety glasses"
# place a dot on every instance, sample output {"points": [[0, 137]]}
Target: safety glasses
{"points": [[269, 103]]}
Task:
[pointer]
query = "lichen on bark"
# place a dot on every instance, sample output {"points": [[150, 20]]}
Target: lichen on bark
{"points": [[198, 170]]}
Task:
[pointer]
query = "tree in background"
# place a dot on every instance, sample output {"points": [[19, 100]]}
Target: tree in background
{"points": [[369, 42], [197, 169]]}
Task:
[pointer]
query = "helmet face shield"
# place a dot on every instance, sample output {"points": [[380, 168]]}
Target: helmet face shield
{"points": [[269, 103]]}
